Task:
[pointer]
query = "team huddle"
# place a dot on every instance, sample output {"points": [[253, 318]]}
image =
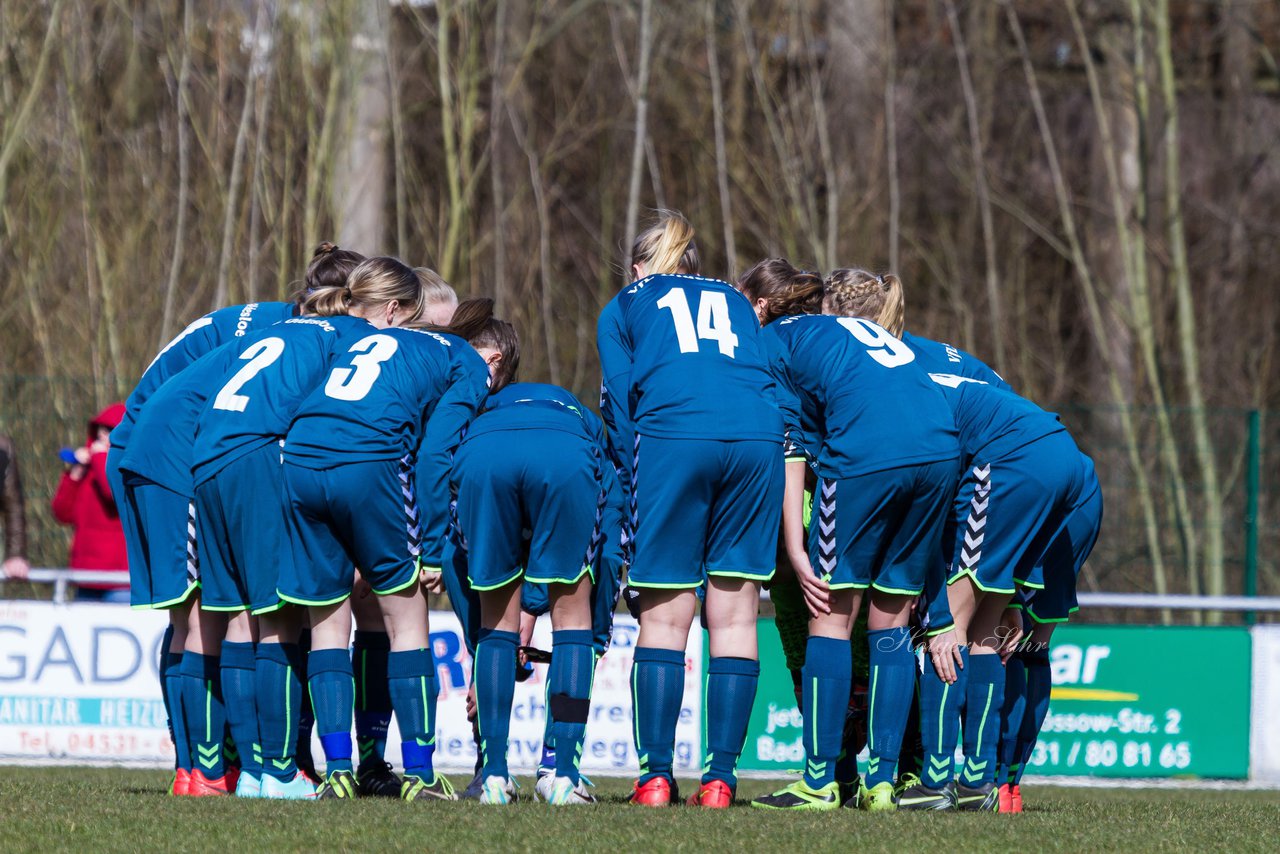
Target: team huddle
{"points": [[287, 470]]}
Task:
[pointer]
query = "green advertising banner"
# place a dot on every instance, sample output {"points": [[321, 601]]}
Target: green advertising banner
{"points": [[1128, 701]]}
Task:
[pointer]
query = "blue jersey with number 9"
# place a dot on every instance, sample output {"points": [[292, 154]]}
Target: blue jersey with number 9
{"points": [[681, 358], [860, 394]]}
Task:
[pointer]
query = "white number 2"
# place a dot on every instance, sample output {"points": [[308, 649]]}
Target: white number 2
{"points": [[258, 355], [713, 320], [881, 346], [353, 383]]}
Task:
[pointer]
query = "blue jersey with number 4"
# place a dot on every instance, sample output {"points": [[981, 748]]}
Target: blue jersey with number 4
{"points": [[857, 391], [682, 358], [257, 399], [200, 336]]}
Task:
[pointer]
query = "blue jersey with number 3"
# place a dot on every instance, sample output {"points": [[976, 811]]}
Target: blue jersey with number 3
{"points": [[257, 399], [200, 336], [682, 358], [856, 390]]}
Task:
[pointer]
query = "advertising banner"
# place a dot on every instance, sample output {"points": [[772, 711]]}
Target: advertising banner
{"points": [[1264, 751]]}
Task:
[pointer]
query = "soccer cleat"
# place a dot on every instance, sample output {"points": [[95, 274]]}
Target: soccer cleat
{"points": [[375, 779], [713, 795], [985, 798], [1015, 798], [473, 789], [542, 786], [1006, 798], [880, 798], [299, 788], [798, 796], [852, 794], [564, 792], [414, 788], [248, 786], [337, 786], [200, 786], [657, 792], [498, 791], [181, 777], [918, 796]]}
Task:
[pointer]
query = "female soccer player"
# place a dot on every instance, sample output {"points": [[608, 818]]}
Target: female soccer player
{"points": [[886, 453], [349, 460], [697, 438], [157, 519], [533, 461], [239, 496], [1022, 477]]}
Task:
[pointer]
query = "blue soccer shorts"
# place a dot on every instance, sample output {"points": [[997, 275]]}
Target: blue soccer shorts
{"points": [[704, 507], [361, 514], [244, 540], [882, 530], [164, 568], [1060, 565]]}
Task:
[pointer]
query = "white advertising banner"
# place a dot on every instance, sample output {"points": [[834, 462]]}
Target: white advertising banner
{"points": [[79, 684], [1264, 736]]}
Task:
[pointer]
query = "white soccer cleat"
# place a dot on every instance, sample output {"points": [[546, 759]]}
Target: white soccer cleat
{"points": [[497, 791], [562, 792], [542, 787]]}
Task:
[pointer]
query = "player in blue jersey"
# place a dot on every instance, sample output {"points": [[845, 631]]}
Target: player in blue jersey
{"points": [[349, 461], [160, 576], [534, 461], [697, 439], [886, 451], [1022, 479]]}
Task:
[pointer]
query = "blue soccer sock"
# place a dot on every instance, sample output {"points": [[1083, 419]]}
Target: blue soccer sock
{"points": [[373, 694], [495, 681], [1039, 683], [1011, 713], [893, 676], [548, 758], [206, 717], [940, 705], [171, 684], [278, 688], [413, 688], [239, 668], [657, 692], [983, 699], [162, 667], [306, 710], [827, 677], [731, 691], [333, 696], [573, 664]]}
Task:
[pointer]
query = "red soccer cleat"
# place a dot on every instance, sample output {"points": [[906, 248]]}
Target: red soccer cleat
{"points": [[715, 795], [181, 778], [1006, 801], [658, 792], [1015, 798], [200, 786]]}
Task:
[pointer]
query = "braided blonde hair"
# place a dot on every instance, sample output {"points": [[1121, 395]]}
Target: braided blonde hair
{"points": [[858, 293]]}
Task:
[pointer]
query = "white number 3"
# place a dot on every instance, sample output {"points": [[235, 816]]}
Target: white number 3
{"points": [[353, 383], [713, 320], [881, 345]]}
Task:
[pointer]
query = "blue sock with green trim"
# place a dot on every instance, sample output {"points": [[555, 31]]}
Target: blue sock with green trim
{"points": [[731, 691], [573, 664], [373, 693], [1039, 684], [495, 681], [1011, 712], [206, 717], [171, 685], [983, 699], [826, 680], [413, 688], [279, 691], [333, 696], [892, 684], [657, 692], [940, 705], [239, 668]]}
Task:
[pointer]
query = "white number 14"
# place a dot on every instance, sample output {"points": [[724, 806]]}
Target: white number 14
{"points": [[713, 320]]}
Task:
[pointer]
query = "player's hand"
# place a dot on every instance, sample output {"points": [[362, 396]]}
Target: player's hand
{"points": [[1010, 633], [471, 702], [527, 622], [100, 445], [83, 454], [432, 580], [944, 650], [16, 568], [816, 592]]}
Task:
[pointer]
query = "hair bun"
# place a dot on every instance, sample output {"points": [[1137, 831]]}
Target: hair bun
{"points": [[324, 249]]}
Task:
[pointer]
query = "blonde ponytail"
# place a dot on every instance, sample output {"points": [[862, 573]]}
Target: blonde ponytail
{"points": [[667, 246], [327, 302], [859, 293]]}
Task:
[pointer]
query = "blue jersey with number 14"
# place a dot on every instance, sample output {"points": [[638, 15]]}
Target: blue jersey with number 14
{"points": [[682, 358]]}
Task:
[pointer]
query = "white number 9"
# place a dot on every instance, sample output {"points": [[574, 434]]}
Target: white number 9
{"points": [[353, 383], [881, 346]]}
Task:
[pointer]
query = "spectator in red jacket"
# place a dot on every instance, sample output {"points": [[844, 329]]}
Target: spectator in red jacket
{"points": [[84, 502]]}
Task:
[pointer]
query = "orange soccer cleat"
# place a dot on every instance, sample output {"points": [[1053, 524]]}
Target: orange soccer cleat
{"points": [[1015, 798], [715, 795], [181, 778], [1006, 800], [658, 792], [200, 786]]}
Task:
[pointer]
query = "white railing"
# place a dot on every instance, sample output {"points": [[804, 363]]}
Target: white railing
{"points": [[60, 578]]}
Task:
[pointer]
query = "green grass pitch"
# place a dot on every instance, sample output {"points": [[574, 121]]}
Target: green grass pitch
{"points": [[100, 809]]}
